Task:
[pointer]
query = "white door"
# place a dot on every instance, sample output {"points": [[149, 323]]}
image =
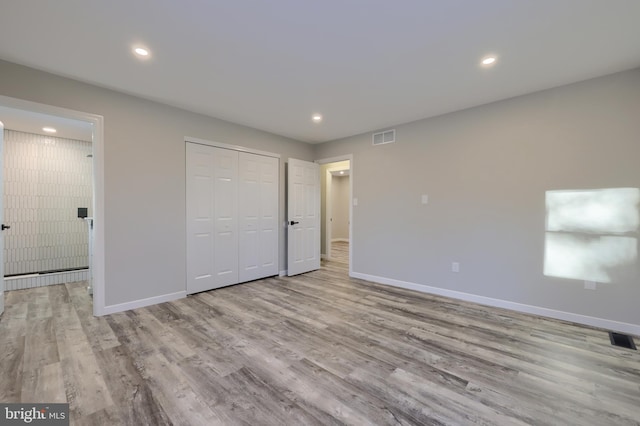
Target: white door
{"points": [[1, 221], [212, 238], [258, 216], [303, 236], [225, 189]]}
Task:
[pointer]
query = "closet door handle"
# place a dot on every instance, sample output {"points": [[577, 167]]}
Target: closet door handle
{"points": [[4, 227], [293, 222]]}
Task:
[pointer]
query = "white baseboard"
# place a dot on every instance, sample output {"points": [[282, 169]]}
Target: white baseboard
{"points": [[514, 306], [112, 309], [339, 240], [284, 273]]}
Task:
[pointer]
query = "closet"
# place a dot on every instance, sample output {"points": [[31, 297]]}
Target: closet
{"points": [[232, 216]]}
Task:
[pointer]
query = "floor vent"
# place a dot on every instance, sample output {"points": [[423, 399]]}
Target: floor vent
{"points": [[622, 340]]}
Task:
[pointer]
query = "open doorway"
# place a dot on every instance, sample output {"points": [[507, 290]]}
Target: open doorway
{"points": [[336, 183], [50, 197]]}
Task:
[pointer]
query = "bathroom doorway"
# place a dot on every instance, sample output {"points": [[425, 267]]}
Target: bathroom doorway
{"points": [[49, 196]]}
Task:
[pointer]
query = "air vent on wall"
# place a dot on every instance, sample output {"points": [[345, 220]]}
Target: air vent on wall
{"points": [[388, 136]]}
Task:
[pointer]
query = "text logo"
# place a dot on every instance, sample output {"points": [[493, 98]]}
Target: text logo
{"points": [[34, 414]]}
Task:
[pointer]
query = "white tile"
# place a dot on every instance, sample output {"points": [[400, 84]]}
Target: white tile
{"points": [[46, 179]]}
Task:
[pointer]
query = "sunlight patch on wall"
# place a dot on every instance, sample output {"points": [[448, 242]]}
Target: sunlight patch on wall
{"points": [[600, 211], [590, 233], [584, 257]]}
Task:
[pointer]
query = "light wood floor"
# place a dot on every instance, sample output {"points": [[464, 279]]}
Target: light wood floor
{"points": [[314, 349], [340, 252]]}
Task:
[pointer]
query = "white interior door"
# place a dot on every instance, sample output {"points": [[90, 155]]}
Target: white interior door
{"points": [[212, 239], [1, 220], [303, 236], [258, 216]]}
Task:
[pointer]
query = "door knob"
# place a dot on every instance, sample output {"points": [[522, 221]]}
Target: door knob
{"points": [[293, 222], [4, 227]]}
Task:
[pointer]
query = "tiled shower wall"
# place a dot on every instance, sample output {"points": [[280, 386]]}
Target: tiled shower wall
{"points": [[46, 179]]}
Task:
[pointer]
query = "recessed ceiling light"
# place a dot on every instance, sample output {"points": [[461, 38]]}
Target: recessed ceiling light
{"points": [[141, 52], [489, 60], [341, 172], [49, 129], [316, 118]]}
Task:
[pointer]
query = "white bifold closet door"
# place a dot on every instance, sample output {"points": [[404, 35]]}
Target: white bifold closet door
{"points": [[258, 216], [212, 223], [232, 211]]}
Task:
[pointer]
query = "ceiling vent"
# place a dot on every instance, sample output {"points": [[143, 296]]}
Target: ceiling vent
{"points": [[388, 136]]}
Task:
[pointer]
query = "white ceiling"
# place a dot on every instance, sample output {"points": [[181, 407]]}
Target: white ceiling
{"points": [[33, 122], [364, 64]]}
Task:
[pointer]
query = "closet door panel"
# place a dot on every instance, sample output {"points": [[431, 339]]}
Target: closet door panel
{"points": [[249, 209], [200, 223], [258, 216], [225, 190], [269, 191]]}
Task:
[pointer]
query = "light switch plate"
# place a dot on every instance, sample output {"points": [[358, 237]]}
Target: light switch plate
{"points": [[425, 199], [355, 201]]}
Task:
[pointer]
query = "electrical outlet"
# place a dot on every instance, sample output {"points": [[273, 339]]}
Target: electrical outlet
{"points": [[455, 267], [589, 285]]}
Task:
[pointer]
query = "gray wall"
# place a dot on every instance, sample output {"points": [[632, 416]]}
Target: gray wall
{"points": [[144, 176], [486, 171]]}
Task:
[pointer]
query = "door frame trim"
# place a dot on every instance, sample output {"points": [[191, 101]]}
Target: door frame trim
{"points": [[229, 146], [98, 266], [328, 207], [336, 159]]}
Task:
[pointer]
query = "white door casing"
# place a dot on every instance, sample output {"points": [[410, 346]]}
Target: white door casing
{"points": [[303, 236], [346, 157], [258, 216], [212, 240], [339, 165]]}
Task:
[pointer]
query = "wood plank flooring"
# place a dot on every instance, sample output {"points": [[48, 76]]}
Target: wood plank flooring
{"points": [[316, 349], [340, 251]]}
